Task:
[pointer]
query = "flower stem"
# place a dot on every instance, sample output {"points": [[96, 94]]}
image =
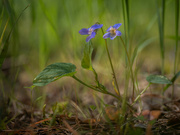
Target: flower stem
{"points": [[130, 66], [105, 92], [112, 67], [96, 89], [114, 75]]}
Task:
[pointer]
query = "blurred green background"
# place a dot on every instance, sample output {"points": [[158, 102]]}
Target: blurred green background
{"points": [[47, 32]]}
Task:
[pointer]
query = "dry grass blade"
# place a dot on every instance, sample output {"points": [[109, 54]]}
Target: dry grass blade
{"points": [[70, 128], [41, 121], [78, 108]]}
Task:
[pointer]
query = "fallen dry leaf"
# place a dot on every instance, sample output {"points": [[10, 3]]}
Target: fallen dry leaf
{"points": [[112, 112], [145, 113], [154, 114], [151, 115]]}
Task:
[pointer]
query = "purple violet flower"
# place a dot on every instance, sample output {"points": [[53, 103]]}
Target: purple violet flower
{"points": [[90, 31], [112, 32]]}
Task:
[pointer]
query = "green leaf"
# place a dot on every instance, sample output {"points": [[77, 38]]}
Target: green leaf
{"points": [[141, 118], [159, 79], [172, 80], [92, 107], [54, 72], [175, 76], [31, 87], [86, 61]]}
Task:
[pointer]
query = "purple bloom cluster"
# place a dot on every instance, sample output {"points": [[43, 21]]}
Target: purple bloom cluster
{"points": [[90, 31], [112, 31]]}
